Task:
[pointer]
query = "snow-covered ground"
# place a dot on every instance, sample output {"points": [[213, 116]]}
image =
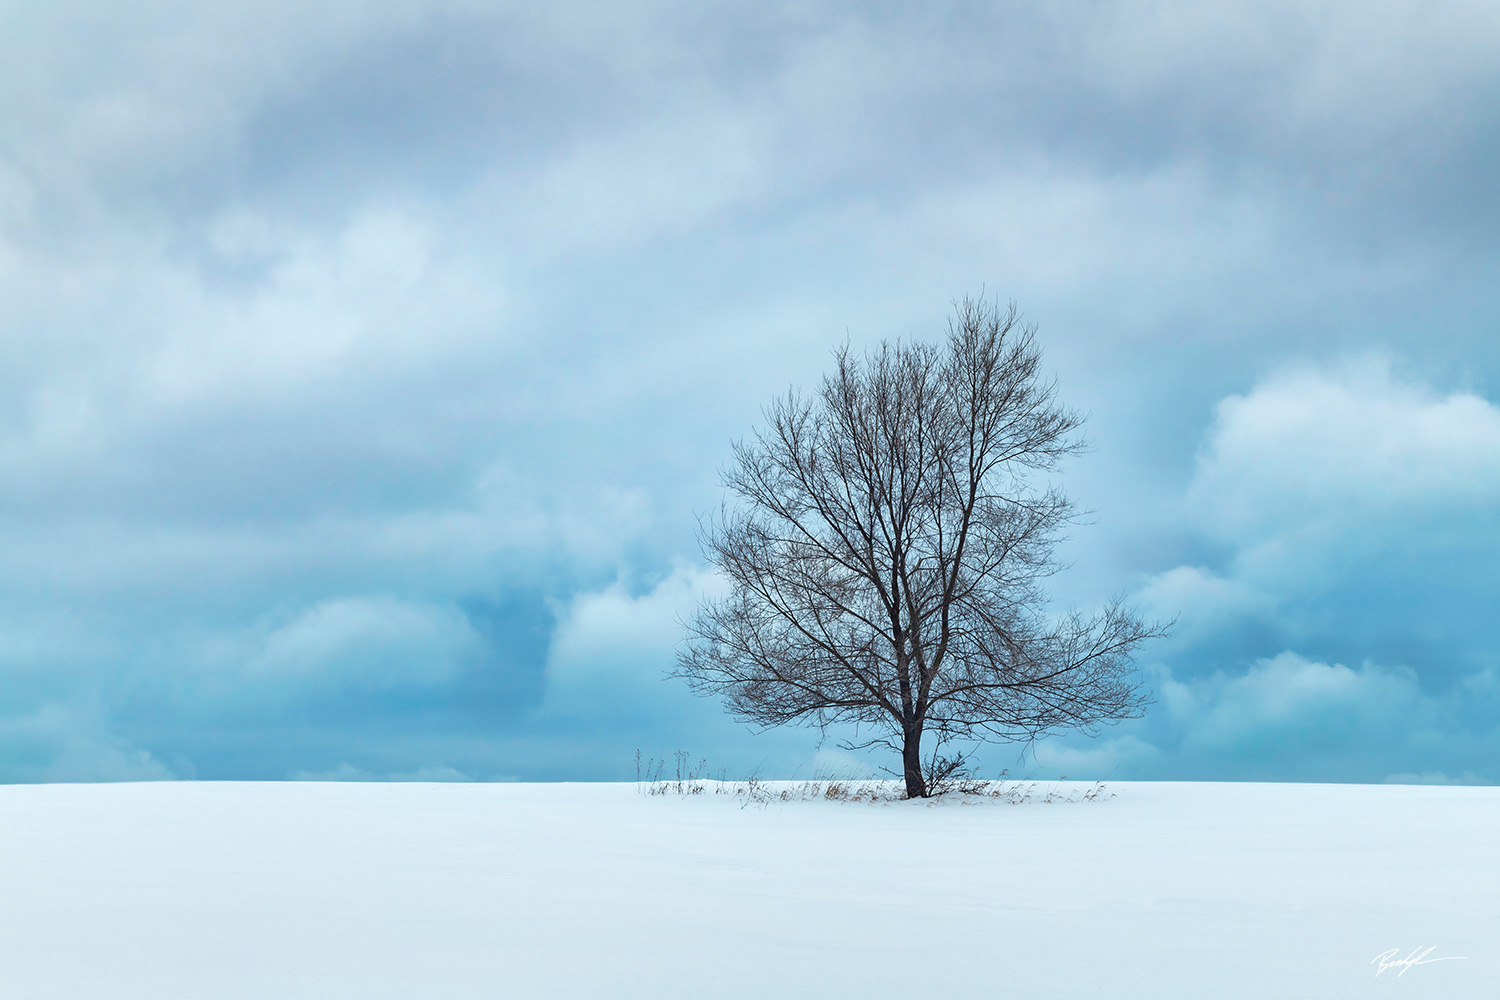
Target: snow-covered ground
{"points": [[206, 890]]}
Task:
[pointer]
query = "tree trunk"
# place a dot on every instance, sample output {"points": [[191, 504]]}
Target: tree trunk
{"points": [[911, 760]]}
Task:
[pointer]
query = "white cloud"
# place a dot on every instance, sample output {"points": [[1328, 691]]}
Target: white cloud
{"points": [[1200, 601], [1286, 717], [366, 642], [1327, 483], [613, 647], [1342, 448], [1289, 700]]}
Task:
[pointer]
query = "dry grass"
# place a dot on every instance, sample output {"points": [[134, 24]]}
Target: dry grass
{"points": [[688, 778]]}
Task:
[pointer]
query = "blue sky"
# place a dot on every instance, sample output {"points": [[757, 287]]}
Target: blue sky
{"points": [[362, 365]]}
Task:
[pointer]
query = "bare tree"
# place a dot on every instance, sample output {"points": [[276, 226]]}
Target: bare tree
{"points": [[886, 554]]}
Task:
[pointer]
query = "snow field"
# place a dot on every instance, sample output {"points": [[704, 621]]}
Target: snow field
{"points": [[335, 890]]}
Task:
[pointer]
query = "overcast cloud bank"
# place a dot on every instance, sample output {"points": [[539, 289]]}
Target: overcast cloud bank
{"points": [[362, 367]]}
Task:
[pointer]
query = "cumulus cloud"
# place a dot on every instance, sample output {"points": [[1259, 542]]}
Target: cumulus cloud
{"points": [[366, 642], [1350, 510], [1289, 704], [613, 648], [1202, 602], [1288, 717], [1345, 447], [1344, 515]]}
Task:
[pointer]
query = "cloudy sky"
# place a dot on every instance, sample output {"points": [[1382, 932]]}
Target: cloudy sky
{"points": [[363, 365]]}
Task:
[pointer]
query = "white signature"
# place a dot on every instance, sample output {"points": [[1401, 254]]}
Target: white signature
{"points": [[1388, 960]]}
